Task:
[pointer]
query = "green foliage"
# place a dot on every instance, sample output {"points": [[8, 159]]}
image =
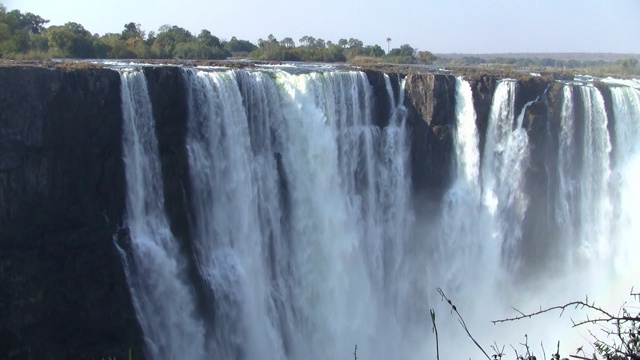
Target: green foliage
{"points": [[629, 66], [426, 57], [239, 46], [70, 40], [132, 31], [25, 36], [17, 29]]}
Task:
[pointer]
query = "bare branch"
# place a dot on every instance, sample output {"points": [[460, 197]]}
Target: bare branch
{"points": [[576, 304], [461, 320]]}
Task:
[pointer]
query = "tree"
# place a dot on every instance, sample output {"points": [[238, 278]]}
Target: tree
{"points": [[343, 43], [71, 40], [355, 43], [235, 45], [288, 42], [426, 57], [388, 43], [207, 39], [407, 50], [132, 31], [311, 42], [167, 39], [29, 22], [375, 51], [629, 65]]}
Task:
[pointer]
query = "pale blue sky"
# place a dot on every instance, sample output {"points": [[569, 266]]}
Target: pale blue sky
{"points": [[487, 26]]}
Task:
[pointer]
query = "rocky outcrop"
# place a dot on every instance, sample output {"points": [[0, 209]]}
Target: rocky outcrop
{"points": [[63, 292], [430, 102]]}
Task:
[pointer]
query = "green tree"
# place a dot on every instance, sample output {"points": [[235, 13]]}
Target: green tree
{"points": [[355, 43], [239, 46], [70, 40], [407, 50], [426, 57], [112, 46], [288, 42], [207, 39], [29, 22], [629, 65], [132, 31], [167, 39], [17, 29], [375, 51]]}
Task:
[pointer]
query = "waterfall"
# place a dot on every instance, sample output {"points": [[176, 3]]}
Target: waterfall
{"points": [[626, 105], [308, 240], [503, 169], [595, 208], [298, 203], [155, 268], [567, 176]]}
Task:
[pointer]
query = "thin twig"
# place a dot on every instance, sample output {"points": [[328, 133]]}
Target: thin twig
{"points": [[464, 325], [435, 330]]}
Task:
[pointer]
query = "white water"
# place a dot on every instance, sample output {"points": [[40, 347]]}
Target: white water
{"points": [[595, 209], [626, 102], [479, 235], [503, 170], [306, 238], [279, 263], [155, 269]]}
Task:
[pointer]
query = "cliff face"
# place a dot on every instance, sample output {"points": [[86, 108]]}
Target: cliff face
{"points": [[63, 292], [430, 101]]}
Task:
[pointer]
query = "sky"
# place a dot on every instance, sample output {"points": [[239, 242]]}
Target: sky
{"points": [[445, 26]]}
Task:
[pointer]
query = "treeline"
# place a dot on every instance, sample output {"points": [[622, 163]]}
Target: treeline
{"points": [[25, 36], [627, 66], [311, 49]]}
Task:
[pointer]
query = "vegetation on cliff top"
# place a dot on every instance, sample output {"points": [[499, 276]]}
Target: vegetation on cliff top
{"points": [[25, 36]]}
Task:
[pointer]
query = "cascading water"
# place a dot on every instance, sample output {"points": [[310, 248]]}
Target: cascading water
{"points": [[297, 199], [626, 101], [155, 269], [304, 231], [479, 236], [595, 208]]}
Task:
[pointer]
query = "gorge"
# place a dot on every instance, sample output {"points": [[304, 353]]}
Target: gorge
{"points": [[291, 212]]}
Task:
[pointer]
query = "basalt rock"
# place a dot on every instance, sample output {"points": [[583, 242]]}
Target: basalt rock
{"points": [[381, 111], [63, 291], [430, 101]]}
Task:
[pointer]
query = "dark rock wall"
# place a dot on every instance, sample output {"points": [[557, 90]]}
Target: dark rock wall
{"points": [[381, 111], [482, 88], [63, 292], [430, 102]]}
